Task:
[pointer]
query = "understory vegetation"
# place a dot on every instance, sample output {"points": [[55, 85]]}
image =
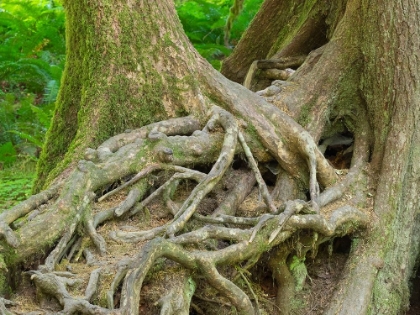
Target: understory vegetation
{"points": [[31, 63]]}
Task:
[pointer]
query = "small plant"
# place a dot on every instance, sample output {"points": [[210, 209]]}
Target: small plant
{"points": [[23, 126]]}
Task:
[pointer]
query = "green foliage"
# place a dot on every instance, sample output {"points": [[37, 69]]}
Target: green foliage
{"points": [[204, 23], [7, 154], [32, 58], [14, 189], [16, 183], [22, 125], [33, 46]]}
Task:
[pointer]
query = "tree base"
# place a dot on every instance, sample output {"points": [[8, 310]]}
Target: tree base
{"points": [[132, 210]]}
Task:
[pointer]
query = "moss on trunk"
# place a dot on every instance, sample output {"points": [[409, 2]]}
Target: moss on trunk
{"points": [[106, 87]]}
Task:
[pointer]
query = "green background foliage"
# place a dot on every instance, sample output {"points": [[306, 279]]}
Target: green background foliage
{"points": [[32, 54], [15, 184], [204, 23]]}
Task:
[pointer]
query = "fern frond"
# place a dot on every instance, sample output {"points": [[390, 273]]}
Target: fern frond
{"points": [[28, 137], [43, 115]]}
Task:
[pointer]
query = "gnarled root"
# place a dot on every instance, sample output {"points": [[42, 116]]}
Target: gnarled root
{"points": [[168, 152]]}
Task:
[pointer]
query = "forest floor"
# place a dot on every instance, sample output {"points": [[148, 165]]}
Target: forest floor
{"points": [[323, 271]]}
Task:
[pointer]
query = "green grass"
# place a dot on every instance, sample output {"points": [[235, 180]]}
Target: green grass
{"points": [[16, 183]]}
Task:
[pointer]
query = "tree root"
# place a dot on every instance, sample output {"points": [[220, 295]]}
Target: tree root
{"points": [[174, 147], [205, 262], [178, 299], [229, 205], [53, 285], [263, 187], [3, 309], [22, 209]]}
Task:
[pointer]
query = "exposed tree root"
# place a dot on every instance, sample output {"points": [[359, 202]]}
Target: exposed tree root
{"points": [[263, 187], [54, 285], [3, 304], [20, 210], [169, 151]]}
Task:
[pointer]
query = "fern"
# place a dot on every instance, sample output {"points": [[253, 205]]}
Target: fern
{"points": [[32, 33], [26, 136], [32, 58], [7, 154], [51, 91], [43, 115], [32, 73]]}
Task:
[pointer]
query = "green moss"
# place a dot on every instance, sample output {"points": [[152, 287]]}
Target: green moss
{"points": [[4, 284], [298, 269], [305, 114], [5, 289], [251, 130], [390, 302], [111, 82], [178, 153]]}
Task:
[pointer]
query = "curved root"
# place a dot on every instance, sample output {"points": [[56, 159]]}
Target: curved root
{"points": [[173, 148]]}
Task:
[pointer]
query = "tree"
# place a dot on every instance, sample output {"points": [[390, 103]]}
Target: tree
{"points": [[130, 65]]}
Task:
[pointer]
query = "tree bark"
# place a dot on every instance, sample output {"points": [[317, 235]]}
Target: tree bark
{"points": [[386, 260], [107, 88], [287, 29]]}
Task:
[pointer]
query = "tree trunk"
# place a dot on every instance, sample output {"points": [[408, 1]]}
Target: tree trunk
{"points": [[287, 29], [389, 38], [130, 66], [107, 88]]}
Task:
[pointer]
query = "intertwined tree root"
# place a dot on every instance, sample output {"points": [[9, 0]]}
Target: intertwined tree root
{"points": [[170, 149]]}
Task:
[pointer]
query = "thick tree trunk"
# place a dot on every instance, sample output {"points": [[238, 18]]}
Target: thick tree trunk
{"points": [[384, 263], [107, 87], [367, 70], [283, 29]]}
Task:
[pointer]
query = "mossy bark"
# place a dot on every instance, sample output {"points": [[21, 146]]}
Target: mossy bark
{"points": [[389, 37], [106, 87], [365, 78]]}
